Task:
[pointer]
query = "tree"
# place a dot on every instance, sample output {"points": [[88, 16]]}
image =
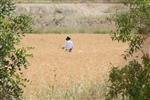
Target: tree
{"points": [[132, 82], [12, 57], [133, 25]]}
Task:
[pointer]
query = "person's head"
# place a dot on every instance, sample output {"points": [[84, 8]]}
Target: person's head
{"points": [[68, 38]]}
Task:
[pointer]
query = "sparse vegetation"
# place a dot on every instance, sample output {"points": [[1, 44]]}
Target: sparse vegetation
{"points": [[76, 91], [72, 18]]}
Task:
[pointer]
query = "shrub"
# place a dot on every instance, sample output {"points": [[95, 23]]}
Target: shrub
{"points": [[132, 82], [12, 58]]}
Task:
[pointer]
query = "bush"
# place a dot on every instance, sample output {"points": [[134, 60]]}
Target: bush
{"points": [[132, 81], [12, 58]]}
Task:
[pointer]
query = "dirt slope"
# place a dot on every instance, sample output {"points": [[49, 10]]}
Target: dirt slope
{"points": [[70, 17]]}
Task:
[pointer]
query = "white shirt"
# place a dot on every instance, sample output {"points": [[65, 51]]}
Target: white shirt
{"points": [[69, 44]]}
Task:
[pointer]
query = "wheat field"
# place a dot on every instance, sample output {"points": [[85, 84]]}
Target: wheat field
{"points": [[51, 67]]}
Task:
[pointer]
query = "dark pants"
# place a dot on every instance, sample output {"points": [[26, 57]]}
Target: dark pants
{"points": [[69, 50]]}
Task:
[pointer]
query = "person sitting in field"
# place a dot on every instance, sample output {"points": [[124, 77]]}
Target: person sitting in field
{"points": [[68, 44]]}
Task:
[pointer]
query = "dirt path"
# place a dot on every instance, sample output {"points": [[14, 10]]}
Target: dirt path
{"points": [[89, 60]]}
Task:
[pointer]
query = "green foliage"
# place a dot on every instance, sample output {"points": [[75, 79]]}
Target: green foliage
{"points": [[133, 25], [12, 58], [6, 7], [132, 82]]}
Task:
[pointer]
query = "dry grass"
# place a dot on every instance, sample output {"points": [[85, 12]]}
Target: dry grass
{"points": [[52, 69], [66, 1]]}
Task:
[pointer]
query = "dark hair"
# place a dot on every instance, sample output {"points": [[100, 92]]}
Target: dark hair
{"points": [[68, 38]]}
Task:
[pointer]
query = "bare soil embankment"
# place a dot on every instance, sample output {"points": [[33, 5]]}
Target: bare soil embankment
{"points": [[69, 17]]}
